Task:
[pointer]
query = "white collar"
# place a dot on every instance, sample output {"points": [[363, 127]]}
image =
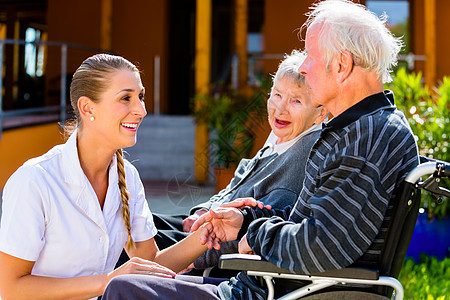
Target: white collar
{"points": [[283, 147], [73, 172]]}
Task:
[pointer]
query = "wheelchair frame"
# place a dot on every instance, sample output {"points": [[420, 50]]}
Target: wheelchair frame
{"points": [[255, 266]]}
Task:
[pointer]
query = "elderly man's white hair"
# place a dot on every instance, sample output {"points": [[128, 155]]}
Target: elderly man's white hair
{"points": [[289, 67], [349, 26]]}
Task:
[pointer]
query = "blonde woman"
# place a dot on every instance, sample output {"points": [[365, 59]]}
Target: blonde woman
{"points": [[68, 214]]}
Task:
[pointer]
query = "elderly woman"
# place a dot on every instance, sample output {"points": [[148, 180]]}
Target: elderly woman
{"points": [[275, 175]]}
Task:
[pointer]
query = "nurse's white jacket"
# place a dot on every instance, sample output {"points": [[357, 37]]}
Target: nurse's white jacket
{"points": [[51, 215]]}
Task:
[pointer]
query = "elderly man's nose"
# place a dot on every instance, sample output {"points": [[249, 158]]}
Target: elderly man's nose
{"points": [[301, 69]]}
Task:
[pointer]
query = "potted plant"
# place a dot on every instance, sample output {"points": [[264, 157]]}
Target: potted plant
{"points": [[229, 116], [428, 113]]}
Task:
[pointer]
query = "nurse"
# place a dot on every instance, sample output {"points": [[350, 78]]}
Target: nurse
{"points": [[68, 214]]}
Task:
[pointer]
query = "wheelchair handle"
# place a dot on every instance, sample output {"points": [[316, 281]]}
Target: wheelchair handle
{"points": [[441, 168]]}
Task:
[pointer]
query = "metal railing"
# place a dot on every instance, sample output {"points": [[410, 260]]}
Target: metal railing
{"points": [[62, 107], [409, 58]]}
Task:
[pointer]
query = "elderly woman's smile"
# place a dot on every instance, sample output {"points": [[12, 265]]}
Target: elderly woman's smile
{"points": [[279, 123]]}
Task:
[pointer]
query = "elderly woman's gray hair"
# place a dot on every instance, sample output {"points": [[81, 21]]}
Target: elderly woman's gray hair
{"points": [[289, 67], [346, 26]]}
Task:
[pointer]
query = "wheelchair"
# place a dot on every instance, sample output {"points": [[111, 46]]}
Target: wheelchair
{"points": [[355, 282]]}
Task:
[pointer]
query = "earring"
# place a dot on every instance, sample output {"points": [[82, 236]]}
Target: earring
{"points": [[92, 118]]}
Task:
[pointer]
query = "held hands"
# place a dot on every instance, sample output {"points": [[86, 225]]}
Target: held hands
{"points": [[238, 203], [223, 224], [219, 225], [187, 223]]}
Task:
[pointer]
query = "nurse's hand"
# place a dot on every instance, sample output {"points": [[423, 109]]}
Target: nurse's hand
{"points": [[138, 265]]}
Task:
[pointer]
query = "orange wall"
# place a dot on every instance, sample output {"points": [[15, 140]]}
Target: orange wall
{"points": [[139, 32], [31, 141], [442, 42], [283, 18], [417, 27], [74, 22]]}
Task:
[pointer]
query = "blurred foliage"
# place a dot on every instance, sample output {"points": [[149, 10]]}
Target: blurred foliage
{"points": [[428, 113], [430, 279], [229, 115]]}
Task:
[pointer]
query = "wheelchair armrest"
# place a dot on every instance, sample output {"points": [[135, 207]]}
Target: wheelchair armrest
{"points": [[245, 262]]}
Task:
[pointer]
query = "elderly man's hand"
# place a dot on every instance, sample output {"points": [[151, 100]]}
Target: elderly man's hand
{"points": [[219, 225], [243, 246], [244, 202]]}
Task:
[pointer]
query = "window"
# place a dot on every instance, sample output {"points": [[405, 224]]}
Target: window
{"points": [[34, 55]]}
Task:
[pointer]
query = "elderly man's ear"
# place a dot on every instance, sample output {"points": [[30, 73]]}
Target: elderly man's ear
{"points": [[345, 65]]}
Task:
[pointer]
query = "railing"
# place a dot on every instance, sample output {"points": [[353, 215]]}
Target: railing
{"points": [[409, 58], [62, 107]]}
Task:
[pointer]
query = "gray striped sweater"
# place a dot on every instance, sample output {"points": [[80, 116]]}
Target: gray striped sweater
{"points": [[352, 172]]}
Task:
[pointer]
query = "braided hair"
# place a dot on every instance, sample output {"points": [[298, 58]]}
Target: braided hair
{"points": [[124, 196]]}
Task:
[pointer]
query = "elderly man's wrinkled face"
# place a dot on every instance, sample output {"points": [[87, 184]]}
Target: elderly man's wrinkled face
{"points": [[321, 81], [290, 109]]}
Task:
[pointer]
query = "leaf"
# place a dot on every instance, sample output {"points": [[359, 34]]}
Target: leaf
{"points": [[428, 115]]}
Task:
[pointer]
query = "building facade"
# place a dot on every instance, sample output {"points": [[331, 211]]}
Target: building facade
{"points": [[160, 37]]}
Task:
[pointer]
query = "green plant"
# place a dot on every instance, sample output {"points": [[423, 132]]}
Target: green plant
{"points": [[430, 279], [428, 113], [228, 114]]}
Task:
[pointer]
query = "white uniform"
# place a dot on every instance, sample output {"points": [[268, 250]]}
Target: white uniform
{"points": [[51, 215]]}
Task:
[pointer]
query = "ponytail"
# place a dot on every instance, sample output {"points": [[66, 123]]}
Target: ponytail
{"points": [[125, 196]]}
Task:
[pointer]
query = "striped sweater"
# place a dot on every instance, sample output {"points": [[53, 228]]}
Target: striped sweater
{"points": [[352, 174]]}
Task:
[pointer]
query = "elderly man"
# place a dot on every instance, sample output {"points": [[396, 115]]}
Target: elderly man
{"points": [[353, 170]]}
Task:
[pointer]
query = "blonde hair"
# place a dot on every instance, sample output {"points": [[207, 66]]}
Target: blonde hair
{"points": [[91, 80], [124, 196]]}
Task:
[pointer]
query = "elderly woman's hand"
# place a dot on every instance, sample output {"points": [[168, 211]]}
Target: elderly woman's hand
{"points": [[241, 203]]}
